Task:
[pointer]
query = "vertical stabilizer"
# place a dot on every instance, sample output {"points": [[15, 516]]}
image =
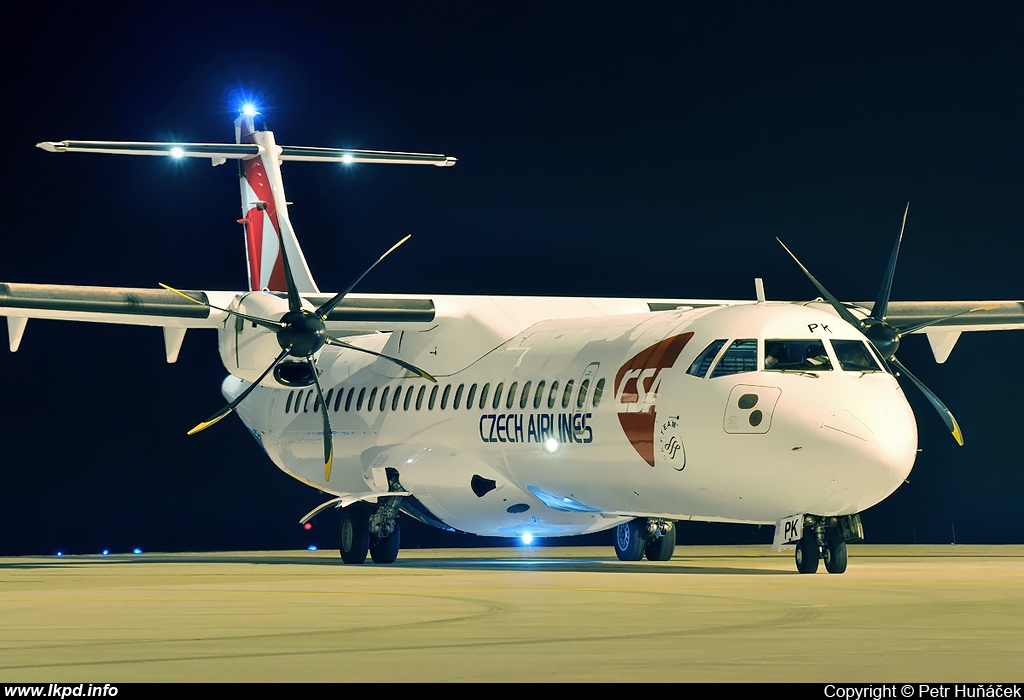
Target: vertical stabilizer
{"points": [[265, 213]]}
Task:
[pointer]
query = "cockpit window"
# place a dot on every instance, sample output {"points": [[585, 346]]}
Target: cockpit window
{"points": [[740, 357], [800, 355], [854, 356], [700, 366]]}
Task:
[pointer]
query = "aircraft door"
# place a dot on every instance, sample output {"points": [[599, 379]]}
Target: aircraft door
{"points": [[586, 384]]}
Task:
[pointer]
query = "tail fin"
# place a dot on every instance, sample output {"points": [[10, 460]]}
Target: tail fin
{"points": [[265, 213]]}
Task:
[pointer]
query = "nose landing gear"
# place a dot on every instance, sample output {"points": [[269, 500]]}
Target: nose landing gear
{"points": [[826, 538]]}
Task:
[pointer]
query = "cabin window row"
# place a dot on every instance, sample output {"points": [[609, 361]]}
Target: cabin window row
{"points": [[525, 395]]}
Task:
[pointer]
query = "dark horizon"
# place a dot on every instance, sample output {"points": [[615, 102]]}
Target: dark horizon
{"points": [[604, 150]]}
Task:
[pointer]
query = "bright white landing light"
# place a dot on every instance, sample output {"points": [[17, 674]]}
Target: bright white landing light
{"points": [[347, 158], [551, 445], [177, 152], [249, 110], [527, 538]]}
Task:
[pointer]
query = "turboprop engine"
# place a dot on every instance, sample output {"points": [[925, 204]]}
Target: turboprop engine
{"points": [[247, 348]]}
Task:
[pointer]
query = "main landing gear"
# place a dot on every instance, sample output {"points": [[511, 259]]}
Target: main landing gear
{"points": [[650, 537], [368, 529], [825, 539]]}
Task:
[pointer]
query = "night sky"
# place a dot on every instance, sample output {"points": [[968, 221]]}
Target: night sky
{"points": [[647, 149]]}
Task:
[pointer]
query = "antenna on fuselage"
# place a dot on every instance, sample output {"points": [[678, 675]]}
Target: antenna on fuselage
{"points": [[759, 289]]}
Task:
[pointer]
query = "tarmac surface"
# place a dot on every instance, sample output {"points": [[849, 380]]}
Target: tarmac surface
{"points": [[924, 614]]}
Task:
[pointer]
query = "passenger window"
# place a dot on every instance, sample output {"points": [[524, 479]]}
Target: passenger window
{"points": [[854, 356], [525, 398], [539, 396], [359, 401], [419, 397], [470, 397], [497, 396], [433, 398], [740, 357], [384, 398], [348, 400], [582, 397], [552, 396], [445, 395], [408, 398], [316, 402], [373, 399], [288, 403], [305, 404], [567, 394], [511, 395], [396, 397], [598, 391], [458, 397], [702, 364], [483, 395], [327, 399], [797, 355], [337, 399]]}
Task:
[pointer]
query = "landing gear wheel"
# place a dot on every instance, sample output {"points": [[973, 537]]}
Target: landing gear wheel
{"points": [[630, 540], [662, 548], [385, 551], [355, 534], [807, 554], [835, 556]]}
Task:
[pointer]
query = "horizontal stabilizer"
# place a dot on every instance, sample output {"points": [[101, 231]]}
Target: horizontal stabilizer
{"points": [[218, 152], [215, 151], [348, 155]]}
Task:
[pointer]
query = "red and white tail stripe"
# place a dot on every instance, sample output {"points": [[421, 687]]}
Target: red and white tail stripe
{"points": [[265, 214]]}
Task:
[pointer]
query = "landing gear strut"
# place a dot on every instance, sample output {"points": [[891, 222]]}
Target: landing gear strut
{"points": [[826, 538], [374, 530], [645, 536]]}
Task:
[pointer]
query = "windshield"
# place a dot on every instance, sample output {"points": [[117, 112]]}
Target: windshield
{"points": [[802, 355], [854, 356]]}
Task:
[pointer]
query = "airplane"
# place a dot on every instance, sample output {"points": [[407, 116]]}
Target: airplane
{"points": [[533, 417]]}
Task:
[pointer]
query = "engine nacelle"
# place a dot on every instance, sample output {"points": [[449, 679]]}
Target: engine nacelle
{"points": [[247, 349]]}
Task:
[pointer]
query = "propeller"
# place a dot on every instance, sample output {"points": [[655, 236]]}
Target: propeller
{"points": [[301, 333], [884, 336]]}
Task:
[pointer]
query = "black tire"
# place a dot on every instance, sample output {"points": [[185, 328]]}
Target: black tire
{"points": [[354, 534], [835, 556], [385, 551], [662, 548], [807, 554], [631, 540]]}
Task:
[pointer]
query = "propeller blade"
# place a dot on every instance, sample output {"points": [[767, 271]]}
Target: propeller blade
{"points": [[265, 322], [881, 306], [294, 300], [401, 363], [843, 312], [328, 439], [912, 329], [238, 399], [326, 308], [947, 417]]}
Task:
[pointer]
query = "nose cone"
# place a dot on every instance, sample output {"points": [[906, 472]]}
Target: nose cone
{"points": [[872, 433]]}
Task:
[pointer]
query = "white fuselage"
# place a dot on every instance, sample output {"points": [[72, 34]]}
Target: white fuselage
{"points": [[506, 445]]}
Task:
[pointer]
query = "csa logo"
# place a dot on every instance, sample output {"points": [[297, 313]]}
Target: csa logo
{"points": [[670, 444], [636, 392]]}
